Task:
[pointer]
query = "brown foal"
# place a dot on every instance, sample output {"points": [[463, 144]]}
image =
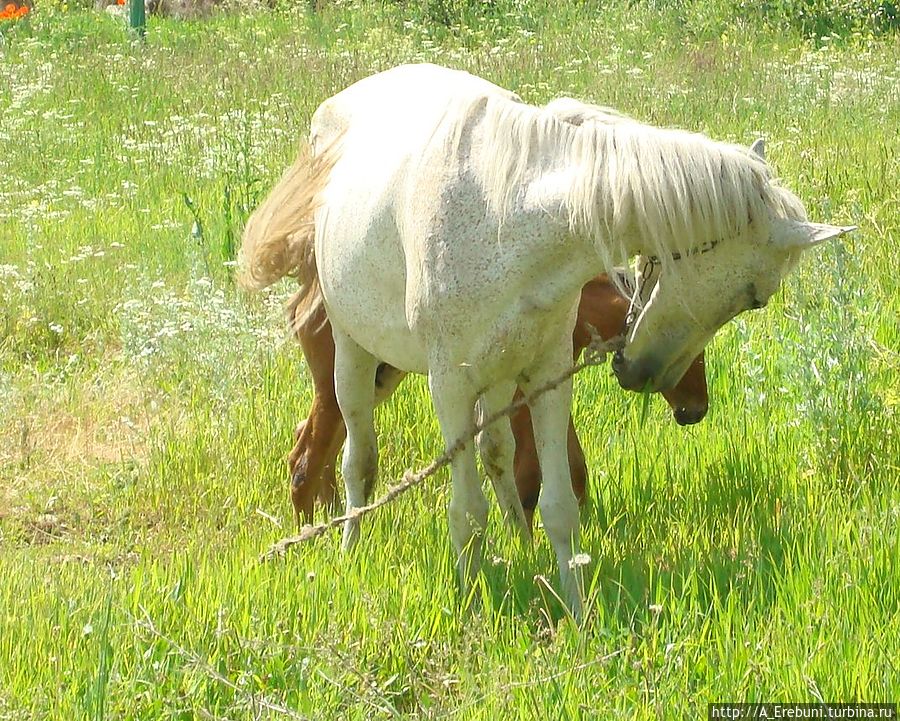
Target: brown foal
{"points": [[313, 459]]}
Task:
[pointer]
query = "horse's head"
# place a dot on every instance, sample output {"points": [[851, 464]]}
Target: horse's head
{"points": [[689, 397], [702, 289], [681, 317]]}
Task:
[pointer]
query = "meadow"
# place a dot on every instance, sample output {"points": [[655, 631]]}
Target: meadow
{"points": [[147, 404]]}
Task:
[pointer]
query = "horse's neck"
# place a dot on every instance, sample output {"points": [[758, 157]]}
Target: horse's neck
{"points": [[544, 202], [636, 189]]}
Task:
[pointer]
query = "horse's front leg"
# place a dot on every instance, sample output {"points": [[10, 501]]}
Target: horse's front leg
{"points": [[454, 402], [354, 376], [558, 504]]}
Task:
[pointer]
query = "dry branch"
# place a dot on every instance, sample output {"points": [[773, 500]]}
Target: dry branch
{"points": [[595, 354]]}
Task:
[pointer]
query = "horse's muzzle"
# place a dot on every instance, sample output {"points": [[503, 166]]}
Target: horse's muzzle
{"points": [[632, 376], [689, 416]]}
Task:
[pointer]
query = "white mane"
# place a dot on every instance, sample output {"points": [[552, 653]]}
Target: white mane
{"points": [[628, 184], [576, 112]]}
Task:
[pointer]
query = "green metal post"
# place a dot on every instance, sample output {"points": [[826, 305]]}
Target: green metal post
{"points": [[137, 18]]}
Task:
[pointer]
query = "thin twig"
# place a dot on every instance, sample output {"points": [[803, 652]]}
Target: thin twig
{"points": [[269, 517], [507, 687], [594, 355], [359, 697]]}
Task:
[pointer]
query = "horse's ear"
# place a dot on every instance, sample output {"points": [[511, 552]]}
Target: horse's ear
{"points": [[759, 148], [794, 234]]}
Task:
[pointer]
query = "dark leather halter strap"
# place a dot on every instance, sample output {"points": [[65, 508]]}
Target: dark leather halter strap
{"points": [[650, 264], [699, 250]]}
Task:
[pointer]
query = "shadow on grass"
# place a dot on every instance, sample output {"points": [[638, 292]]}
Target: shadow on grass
{"points": [[649, 549]]}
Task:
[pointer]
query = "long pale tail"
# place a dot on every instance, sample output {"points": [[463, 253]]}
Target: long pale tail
{"points": [[279, 239]]}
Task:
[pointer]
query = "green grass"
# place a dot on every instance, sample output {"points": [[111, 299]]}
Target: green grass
{"points": [[148, 405]]}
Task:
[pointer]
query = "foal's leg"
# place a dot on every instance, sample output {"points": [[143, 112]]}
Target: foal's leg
{"points": [[559, 507], [454, 403], [328, 490], [354, 375], [317, 439], [528, 471], [577, 465], [496, 446], [314, 454], [525, 461]]}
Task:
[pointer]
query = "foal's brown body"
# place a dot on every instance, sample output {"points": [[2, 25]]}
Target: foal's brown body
{"points": [[319, 438]]}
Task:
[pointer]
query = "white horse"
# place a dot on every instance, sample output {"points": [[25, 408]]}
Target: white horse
{"points": [[454, 227]]}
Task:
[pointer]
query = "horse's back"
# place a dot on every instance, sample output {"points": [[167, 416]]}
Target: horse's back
{"points": [[402, 98], [407, 238], [374, 202]]}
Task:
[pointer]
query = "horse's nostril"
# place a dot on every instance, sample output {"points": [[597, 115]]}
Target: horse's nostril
{"points": [[630, 376]]}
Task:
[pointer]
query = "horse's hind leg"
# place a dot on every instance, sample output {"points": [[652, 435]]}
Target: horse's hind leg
{"points": [[454, 402], [496, 446], [386, 381], [354, 375]]}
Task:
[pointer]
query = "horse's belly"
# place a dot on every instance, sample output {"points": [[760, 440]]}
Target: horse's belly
{"points": [[390, 342], [503, 337]]}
